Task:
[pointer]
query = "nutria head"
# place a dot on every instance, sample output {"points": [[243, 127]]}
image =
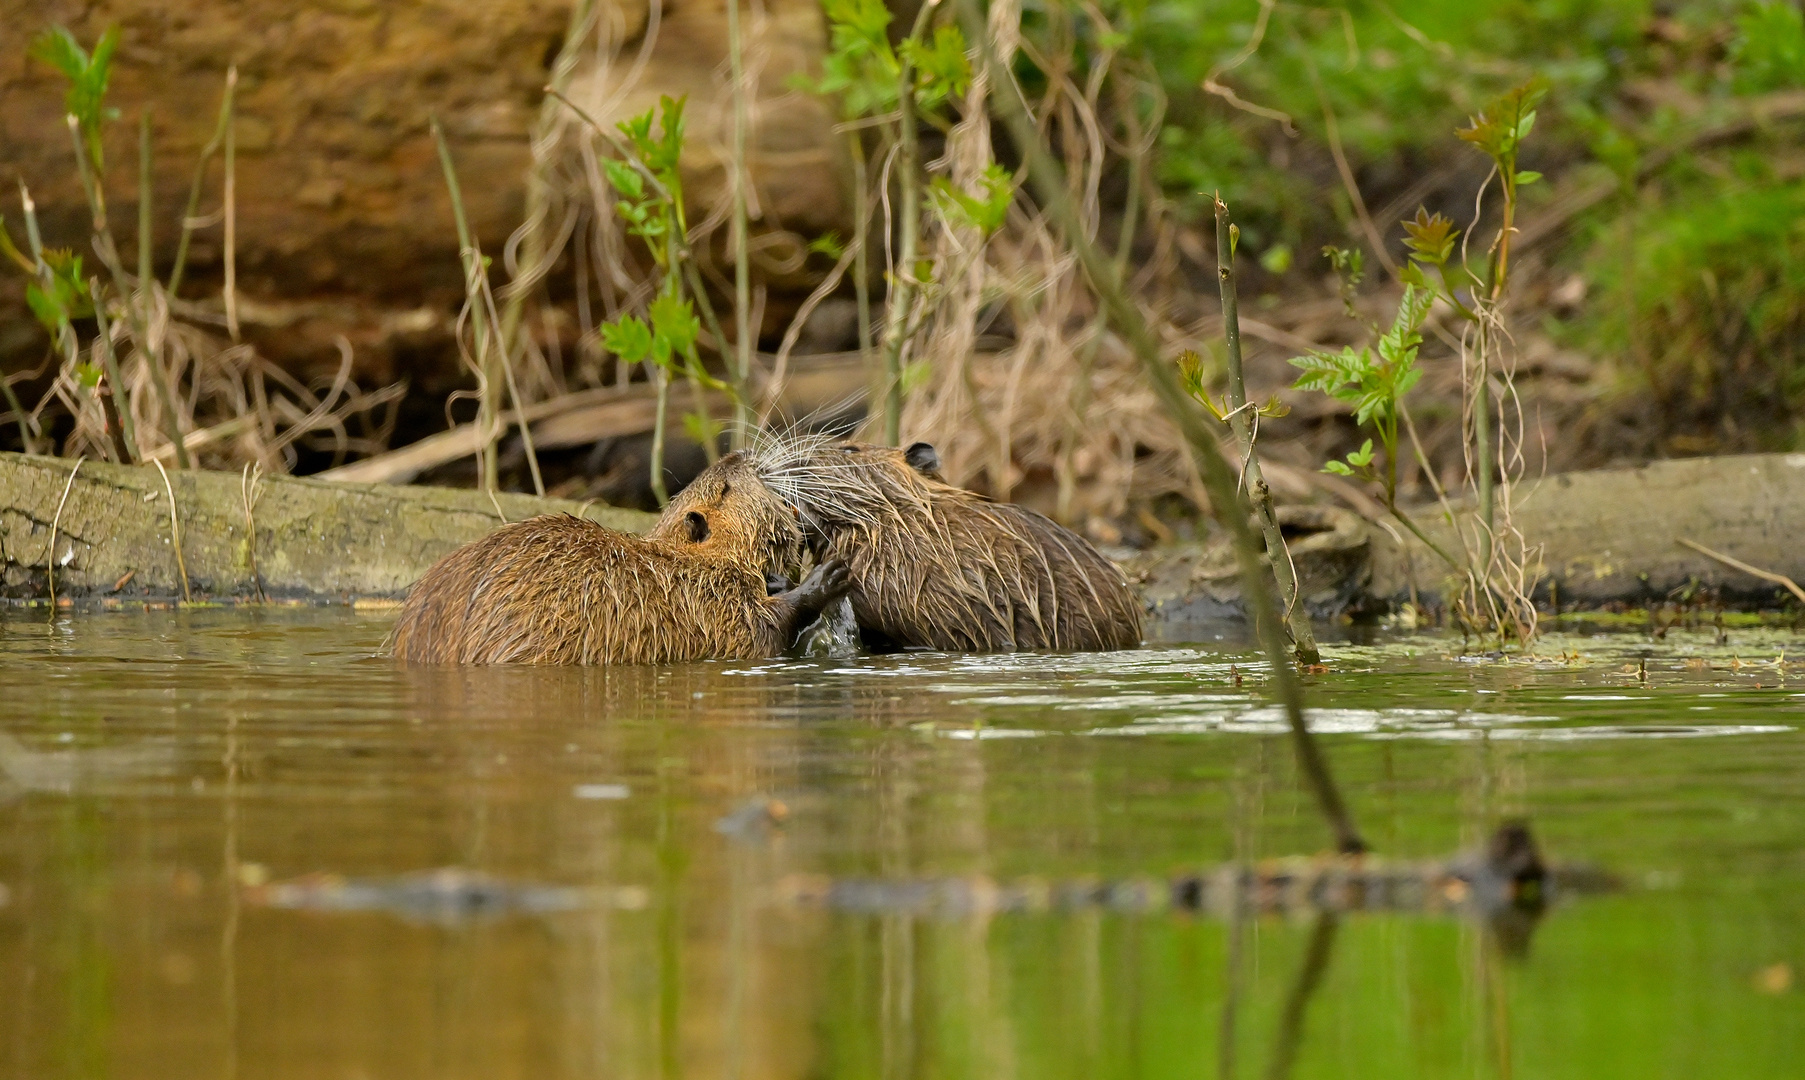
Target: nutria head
{"points": [[839, 484], [730, 512]]}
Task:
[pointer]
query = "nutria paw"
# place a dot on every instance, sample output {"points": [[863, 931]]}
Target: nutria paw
{"points": [[826, 583], [776, 584]]}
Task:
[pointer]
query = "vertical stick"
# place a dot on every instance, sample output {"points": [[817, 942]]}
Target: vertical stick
{"points": [[231, 199], [487, 418], [902, 282], [1303, 640], [200, 176], [742, 282], [861, 240], [122, 402], [662, 384], [532, 265], [144, 241], [1218, 475]]}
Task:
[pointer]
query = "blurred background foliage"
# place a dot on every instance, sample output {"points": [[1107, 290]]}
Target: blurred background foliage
{"points": [[1675, 177]]}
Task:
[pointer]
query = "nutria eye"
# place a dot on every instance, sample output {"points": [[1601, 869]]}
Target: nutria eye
{"points": [[698, 527], [849, 449]]}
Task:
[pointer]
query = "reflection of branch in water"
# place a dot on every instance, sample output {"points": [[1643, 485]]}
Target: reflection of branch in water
{"points": [[1309, 976], [1225, 1045]]}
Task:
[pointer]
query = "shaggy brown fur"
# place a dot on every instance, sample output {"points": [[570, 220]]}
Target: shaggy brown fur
{"points": [[558, 590], [939, 567]]}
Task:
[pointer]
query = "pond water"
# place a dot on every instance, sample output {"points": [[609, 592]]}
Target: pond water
{"points": [[167, 778]]}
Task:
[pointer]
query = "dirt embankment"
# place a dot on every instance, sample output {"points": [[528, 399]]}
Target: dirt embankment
{"points": [[343, 225]]}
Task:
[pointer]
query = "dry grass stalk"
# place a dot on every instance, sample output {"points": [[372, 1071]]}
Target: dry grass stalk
{"points": [[175, 532], [56, 522], [251, 488]]}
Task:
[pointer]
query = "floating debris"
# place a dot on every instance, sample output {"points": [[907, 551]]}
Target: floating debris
{"points": [[1508, 876], [443, 897]]}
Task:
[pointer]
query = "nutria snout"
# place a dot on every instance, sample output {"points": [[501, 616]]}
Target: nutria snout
{"points": [[936, 566], [559, 590]]}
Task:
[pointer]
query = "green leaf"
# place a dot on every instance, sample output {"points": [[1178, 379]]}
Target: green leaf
{"points": [[1337, 468], [985, 211], [88, 375], [829, 244], [674, 320], [624, 178], [45, 306], [942, 70], [1276, 259], [1527, 176], [1362, 457], [58, 48], [1430, 237], [915, 375], [627, 338]]}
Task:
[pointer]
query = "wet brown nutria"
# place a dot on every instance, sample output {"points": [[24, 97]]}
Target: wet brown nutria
{"points": [[935, 566], [559, 590]]}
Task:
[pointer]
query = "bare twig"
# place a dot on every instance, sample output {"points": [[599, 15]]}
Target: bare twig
{"points": [[488, 409], [250, 486], [230, 289], [200, 176], [175, 532], [1244, 422], [55, 523], [1218, 475], [1754, 571], [742, 282], [121, 401], [902, 280]]}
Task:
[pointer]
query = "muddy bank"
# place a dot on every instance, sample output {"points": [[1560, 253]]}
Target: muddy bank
{"points": [[343, 224], [312, 540]]}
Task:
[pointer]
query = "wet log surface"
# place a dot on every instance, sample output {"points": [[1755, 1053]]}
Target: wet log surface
{"points": [[1612, 536], [1598, 539], [1607, 537], [313, 540]]}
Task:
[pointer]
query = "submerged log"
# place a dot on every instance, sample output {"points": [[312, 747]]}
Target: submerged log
{"points": [[312, 541]]}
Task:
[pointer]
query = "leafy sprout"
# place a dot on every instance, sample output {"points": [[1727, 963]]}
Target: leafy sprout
{"points": [[985, 211], [62, 294], [1373, 380], [87, 74]]}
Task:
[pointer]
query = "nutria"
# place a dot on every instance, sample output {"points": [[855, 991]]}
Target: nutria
{"points": [[560, 590], [936, 566]]}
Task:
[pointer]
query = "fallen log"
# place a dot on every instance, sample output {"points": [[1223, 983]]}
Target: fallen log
{"points": [[1612, 536], [1597, 539], [113, 535], [815, 383]]}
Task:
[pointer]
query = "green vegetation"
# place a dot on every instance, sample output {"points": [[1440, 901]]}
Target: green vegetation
{"points": [[1692, 253], [651, 205]]}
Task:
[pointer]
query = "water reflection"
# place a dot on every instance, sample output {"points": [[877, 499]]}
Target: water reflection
{"points": [[223, 836]]}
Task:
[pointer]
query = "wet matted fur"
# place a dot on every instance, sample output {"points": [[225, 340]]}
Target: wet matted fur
{"points": [[935, 566], [560, 590]]}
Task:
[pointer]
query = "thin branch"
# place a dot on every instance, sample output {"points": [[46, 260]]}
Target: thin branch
{"points": [[1754, 571], [56, 523], [1218, 475], [175, 531]]}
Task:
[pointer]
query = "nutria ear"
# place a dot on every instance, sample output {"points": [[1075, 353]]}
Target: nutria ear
{"points": [[698, 527], [923, 458]]}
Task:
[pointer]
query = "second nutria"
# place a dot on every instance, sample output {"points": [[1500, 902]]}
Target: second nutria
{"points": [[936, 566], [560, 590]]}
